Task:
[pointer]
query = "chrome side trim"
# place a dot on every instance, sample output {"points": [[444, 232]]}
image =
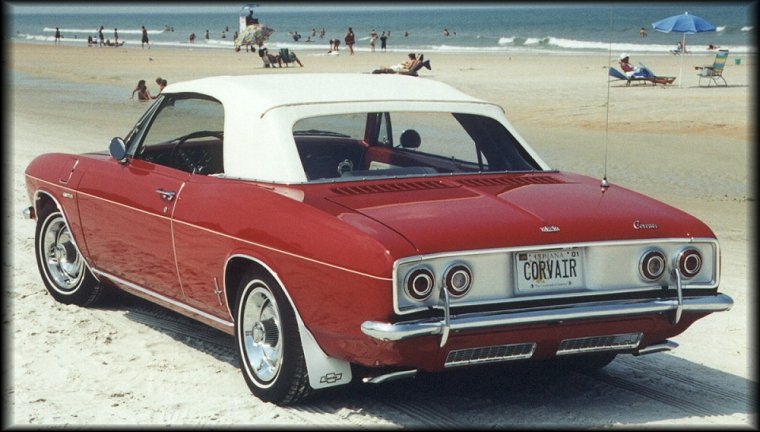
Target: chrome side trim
{"points": [[166, 300], [434, 326], [259, 245]]}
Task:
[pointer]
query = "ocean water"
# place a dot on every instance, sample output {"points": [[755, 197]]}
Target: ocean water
{"points": [[484, 28]]}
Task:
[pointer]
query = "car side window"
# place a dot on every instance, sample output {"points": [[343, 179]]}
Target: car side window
{"points": [[186, 133]]}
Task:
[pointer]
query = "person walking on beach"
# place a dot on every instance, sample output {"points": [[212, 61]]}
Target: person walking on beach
{"points": [[144, 38], [116, 36], [100, 36], [383, 40], [372, 39], [142, 91], [57, 36], [350, 39]]}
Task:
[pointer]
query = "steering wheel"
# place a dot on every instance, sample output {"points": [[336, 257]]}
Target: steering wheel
{"points": [[184, 161]]}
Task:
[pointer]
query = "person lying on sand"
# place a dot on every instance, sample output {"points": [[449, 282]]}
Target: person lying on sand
{"points": [[409, 67]]}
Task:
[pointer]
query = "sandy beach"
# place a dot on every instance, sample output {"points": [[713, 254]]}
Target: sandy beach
{"points": [[130, 363]]}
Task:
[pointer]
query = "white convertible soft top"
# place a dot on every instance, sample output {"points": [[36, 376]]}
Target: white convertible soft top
{"points": [[260, 111], [260, 93]]}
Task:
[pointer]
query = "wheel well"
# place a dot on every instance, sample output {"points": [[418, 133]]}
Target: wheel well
{"points": [[44, 202], [236, 268]]}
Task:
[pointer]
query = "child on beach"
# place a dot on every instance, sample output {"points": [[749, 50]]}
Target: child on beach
{"points": [[142, 92], [161, 84]]}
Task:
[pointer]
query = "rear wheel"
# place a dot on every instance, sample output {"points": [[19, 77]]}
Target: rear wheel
{"points": [[269, 345], [60, 263]]}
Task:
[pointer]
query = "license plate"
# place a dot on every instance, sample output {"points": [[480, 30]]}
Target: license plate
{"points": [[549, 270]]}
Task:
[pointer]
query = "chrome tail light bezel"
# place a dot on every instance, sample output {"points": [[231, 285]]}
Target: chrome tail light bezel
{"points": [[689, 262], [413, 280], [649, 258], [450, 277]]}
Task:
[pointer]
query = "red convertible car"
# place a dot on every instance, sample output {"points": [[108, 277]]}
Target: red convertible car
{"points": [[366, 231]]}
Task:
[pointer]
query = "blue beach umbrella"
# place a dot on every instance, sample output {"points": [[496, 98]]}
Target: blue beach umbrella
{"points": [[684, 24]]}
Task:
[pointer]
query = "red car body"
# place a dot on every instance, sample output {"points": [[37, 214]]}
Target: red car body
{"points": [[341, 253]]}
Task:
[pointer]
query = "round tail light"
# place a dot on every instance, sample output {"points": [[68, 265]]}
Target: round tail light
{"points": [[419, 283], [458, 280], [689, 262], [652, 265]]}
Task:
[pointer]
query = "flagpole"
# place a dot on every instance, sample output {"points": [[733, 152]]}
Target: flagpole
{"points": [[683, 53]]}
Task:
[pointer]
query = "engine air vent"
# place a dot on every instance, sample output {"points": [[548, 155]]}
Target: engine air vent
{"points": [[391, 187], [509, 180]]}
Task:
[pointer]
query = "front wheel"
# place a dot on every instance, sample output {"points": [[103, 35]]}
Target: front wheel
{"points": [[60, 263], [269, 345]]}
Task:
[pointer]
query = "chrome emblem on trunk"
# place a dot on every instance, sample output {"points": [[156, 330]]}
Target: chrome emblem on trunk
{"points": [[637, 225], [549, 229]]}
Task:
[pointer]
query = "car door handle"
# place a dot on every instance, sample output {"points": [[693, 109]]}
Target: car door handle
{"points": [[167, 195]]}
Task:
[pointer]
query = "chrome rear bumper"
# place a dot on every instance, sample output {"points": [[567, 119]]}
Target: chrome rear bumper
{"points": [[609, 309]]}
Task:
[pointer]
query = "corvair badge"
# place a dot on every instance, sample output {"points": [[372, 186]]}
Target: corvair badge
{"points": [[549, 229], [640, 225]]}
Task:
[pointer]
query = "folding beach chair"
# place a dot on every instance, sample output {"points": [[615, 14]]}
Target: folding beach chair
{"points": [[285, 56], [714, 72], [421, 62]]}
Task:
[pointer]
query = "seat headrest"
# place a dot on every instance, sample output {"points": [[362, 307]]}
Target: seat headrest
{"points": [[410, 139]]}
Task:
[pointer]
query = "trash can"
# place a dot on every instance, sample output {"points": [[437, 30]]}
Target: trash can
{"points": [[737, 60]]}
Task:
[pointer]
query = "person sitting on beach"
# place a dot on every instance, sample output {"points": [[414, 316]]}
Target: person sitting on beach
{"points": [[277, 58], [642, 72], [712, 47], [111, 44], [269, 59], [142, 91], [680, 49], [409, 67], [632, 71], [89, 41]]}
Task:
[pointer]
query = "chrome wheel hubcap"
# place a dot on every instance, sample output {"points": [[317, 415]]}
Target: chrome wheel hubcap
{"points": [[261, 334], [60, 255]]}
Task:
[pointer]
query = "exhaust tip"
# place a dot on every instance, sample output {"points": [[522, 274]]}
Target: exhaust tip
{"points": [[660, 347]]}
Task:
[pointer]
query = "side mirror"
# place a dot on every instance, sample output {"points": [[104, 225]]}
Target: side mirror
{"points": [[118, 150]]}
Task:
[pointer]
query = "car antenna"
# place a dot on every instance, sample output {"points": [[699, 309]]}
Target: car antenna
{"points": [[606, 184]]}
